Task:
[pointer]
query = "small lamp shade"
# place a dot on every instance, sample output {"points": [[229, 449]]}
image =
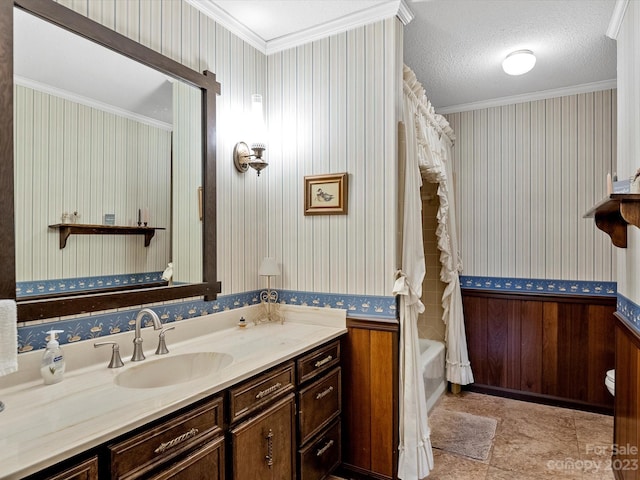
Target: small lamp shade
{"points": [[269, 267]]}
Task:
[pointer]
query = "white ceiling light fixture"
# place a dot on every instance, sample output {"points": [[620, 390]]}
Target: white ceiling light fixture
{"points": [[519, 62]]}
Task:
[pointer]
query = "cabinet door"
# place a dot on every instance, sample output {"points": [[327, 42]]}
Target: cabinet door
{"points": [[264, 446], [206, 462], [87, 470]]}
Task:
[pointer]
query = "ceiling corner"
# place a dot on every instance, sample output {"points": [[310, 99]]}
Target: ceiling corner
{"points": [[216, 13]]}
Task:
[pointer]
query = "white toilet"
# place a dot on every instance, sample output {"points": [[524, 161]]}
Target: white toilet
{"points": [[610, 382]]}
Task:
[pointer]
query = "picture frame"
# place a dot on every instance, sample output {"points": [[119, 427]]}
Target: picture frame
{"points": [[326, 194]]}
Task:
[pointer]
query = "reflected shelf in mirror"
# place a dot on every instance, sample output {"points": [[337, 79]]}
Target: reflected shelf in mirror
{"points": [[67, 229]]}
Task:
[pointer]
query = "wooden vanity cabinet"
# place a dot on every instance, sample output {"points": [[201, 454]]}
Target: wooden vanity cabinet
{"points": [[319, 408], [282, 424]]}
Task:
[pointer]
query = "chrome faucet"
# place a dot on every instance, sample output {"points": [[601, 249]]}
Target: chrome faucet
{"points": [[137, 341]]}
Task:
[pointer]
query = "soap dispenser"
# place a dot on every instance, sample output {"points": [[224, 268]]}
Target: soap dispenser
{"points": [[52, 366]]}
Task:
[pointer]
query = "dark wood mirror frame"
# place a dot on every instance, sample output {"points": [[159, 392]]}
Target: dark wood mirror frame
{"points": [[206, 82]]}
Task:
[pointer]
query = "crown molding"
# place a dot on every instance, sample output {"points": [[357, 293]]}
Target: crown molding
{"points": [[529, 97], [341, 25], [89, 102], [616, 19], [230, 23], [404, 13], [383, 11]]}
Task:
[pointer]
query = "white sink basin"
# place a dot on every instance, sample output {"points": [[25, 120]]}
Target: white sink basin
{"points": [[162, 372]]}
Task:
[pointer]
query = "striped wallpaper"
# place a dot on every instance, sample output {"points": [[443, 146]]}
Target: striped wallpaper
{"points": [[525, 175], [71, 157], [331, 106], [628, 47]]}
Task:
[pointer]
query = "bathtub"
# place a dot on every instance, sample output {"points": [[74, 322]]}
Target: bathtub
{"points": [[432, 359]]}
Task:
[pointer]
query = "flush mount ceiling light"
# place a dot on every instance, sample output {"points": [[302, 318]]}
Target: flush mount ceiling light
{"points": [[519, 62]]}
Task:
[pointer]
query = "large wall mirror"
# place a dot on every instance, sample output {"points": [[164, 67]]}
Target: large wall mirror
{"points": [[113, 168]]}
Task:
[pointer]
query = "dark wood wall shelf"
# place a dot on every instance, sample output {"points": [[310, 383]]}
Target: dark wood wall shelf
{"points": [[67, 229], [614, 213]]}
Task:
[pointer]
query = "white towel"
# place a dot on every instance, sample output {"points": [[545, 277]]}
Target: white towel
{"points": [[8, 337]]}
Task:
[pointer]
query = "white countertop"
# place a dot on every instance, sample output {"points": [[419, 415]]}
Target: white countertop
{"points": [[44, 424]]}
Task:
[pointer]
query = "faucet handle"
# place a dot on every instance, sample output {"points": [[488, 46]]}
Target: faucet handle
{"points": [[116, 360], [162, 344]]}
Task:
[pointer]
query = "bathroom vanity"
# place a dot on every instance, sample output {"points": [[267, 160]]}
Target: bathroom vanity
{"points": [[273, 411]]}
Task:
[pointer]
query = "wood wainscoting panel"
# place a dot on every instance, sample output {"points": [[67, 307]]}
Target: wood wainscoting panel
{"points": [[370, 399], [531, 346], [549, 348], [550, 351], [475, 309], [357, 397], [626, 424]]}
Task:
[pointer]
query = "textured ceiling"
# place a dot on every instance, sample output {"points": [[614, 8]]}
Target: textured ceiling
{"points": [[456, 47]]}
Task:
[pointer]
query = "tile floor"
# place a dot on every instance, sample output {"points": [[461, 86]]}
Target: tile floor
{"points": [[532, 442]]}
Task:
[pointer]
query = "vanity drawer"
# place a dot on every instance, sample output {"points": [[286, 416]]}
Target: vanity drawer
{"points": [[318, 361], [252, 394], [137, 456], [319, 404], [87, 470], [322, 455]]}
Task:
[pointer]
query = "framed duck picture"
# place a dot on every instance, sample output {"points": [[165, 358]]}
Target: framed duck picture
{"points": [[326, 194]]}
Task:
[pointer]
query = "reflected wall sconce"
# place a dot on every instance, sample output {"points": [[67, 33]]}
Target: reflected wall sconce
{"points": [[269, 268], [243, 157]]}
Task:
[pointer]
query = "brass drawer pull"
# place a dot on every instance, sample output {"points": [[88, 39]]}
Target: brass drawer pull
{"points": [[324, 393], [267, 391], [320, 452], [269, 456], [324, 361], [172, 443]]}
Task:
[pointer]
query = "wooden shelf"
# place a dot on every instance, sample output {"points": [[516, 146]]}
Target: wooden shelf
{"points": [[614, 213], [67, 229]]}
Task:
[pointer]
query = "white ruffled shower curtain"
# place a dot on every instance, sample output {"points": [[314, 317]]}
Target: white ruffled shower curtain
{"points": [[426, 153]]}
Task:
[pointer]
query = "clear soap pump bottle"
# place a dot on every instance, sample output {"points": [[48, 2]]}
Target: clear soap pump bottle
{"points": [[52, 366]]}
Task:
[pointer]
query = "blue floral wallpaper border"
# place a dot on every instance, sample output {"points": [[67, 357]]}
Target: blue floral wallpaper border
{"points": [[33, 337], [629, 310], [533, 285], [41, 287]]}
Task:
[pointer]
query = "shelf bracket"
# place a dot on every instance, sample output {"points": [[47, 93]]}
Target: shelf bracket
{"points": [[614, 225]]}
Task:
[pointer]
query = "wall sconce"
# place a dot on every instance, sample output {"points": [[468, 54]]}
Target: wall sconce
{"points": [[269, 268], [242, 155]]}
